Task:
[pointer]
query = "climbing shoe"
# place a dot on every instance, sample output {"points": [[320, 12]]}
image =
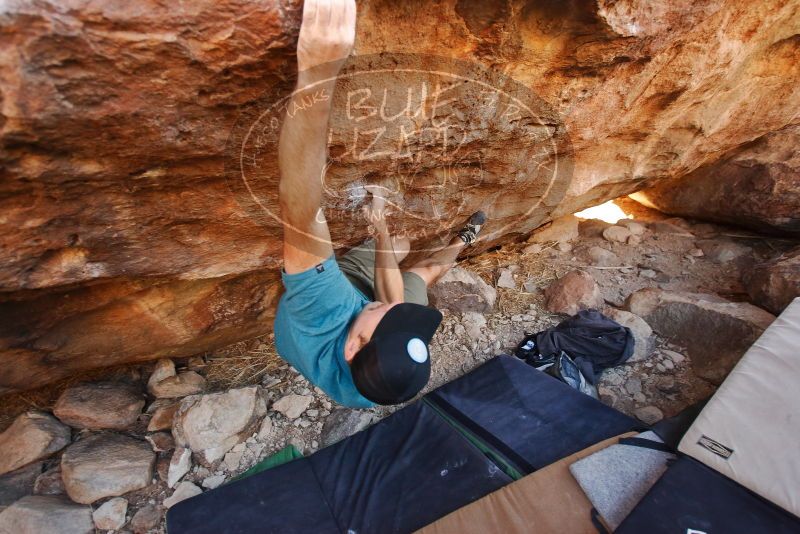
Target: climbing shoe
{"points": [[469, 233]]}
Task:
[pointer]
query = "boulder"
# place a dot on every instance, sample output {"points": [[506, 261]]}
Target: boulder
{"points": [[50, 482], [166, 383], [592, 228], [185, 490], [775, 283], [344, 422], [645, 341], [563, 230], [127, 232], [723, 250], [573, 292], [99, 405], [40, 514], [111, 514], [106, 465], [292, 406], [460, 291], [635, 228], [620, 234], [163, 369], [19, 483], [146, 519], [32, 436], [715, 331], [210, 425], [163, 412], [753, 185], [602, 257]]}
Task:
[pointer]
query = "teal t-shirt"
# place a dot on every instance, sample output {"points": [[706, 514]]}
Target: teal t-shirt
{"points": [[311, 325]]}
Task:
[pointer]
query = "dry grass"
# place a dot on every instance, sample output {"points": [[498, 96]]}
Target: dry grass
{"points": [[242, 364], [539, 267]]}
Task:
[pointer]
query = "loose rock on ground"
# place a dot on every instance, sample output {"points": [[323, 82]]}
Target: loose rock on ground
{"points": [[106, 465], [210, 425], [111, 514], [573, 292], [32, 436], [99, 405], [41, 514]]}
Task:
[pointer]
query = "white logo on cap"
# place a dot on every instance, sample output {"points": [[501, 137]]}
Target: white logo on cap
{"points": [[417, 350]]}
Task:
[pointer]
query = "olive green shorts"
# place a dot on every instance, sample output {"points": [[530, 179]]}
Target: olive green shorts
{"points": [[358, 265]]}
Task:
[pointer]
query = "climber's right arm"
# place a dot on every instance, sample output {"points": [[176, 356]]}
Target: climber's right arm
{"points": [[326, 38]]}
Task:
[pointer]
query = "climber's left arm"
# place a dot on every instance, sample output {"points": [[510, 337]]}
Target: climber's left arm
{"points": [[326, 38], [388, 278]]}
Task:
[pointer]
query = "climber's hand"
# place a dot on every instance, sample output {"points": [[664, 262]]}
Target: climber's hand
{"points": [[327, 34], [375, 211]]}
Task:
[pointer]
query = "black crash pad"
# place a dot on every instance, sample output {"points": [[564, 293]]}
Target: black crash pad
{"points": [[416, 465], [397, 476], [692, 498]]}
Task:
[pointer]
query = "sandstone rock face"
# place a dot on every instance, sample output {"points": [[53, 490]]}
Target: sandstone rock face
{"points": [[461, 291], [563, 230], [573, 292], [37, 514], [106, 465], [122, 241], [775, 283], [754, 185], [717, 332], [210, 425], [100, 405], [32, 436]]}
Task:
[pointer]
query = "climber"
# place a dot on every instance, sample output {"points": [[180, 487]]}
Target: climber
{"points": [[358, 328]]}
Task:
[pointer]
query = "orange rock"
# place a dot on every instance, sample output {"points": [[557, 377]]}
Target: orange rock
{"points": [[121, 239]]}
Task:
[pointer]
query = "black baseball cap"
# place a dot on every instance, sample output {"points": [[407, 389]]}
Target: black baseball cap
{"points": [[395, 364]]}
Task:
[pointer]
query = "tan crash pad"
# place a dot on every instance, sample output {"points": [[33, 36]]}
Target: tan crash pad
{"points": [[750, 429], [549, 500]]}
